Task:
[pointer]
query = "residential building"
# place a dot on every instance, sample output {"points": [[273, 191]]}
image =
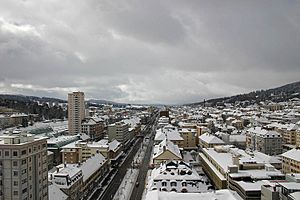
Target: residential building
{"points": [[219, 194], [69, 179], [291, 161], [176, 176], [189, 136], [170, 134], [80, 151], [226, 164], [77, 181], [24, 167], [76, 112], [165, 151], [265, 141], [207, 140], [93, 127], [119, 131]]}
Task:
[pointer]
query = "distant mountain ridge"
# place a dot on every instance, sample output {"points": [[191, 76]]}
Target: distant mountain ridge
{"points": [[25, 98], [282, 93]]}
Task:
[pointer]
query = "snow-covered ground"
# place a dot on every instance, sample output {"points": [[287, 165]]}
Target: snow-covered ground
{"points": [[127, 185]]}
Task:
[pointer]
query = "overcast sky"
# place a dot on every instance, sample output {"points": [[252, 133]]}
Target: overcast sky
{"points": [[148, 51]]}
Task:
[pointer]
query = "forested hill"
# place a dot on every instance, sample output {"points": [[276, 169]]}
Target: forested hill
{"points": [[278, 94], [46, 108]]}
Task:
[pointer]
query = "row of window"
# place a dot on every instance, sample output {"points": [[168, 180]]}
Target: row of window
{"points": [[15, 153], [173, 184]]}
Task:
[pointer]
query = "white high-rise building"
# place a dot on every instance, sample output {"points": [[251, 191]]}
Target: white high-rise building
{"points": [[23, 167], [76, 112]]}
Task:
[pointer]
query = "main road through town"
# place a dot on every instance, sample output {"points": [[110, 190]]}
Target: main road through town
{"points": [[114, 184], [137, 192]]}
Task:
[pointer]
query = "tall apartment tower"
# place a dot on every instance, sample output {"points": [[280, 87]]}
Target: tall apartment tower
{"points": [[76, 112], [23, 167]]}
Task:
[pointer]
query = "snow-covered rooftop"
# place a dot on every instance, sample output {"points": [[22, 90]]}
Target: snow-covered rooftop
{"points": [[292, 154], [219, 194], [210, 139]]}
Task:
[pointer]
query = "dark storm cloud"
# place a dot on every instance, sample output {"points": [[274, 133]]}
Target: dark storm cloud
{"points": [[148, 51]]}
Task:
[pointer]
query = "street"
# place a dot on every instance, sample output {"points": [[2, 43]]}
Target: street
{"points": [[114, 184]]}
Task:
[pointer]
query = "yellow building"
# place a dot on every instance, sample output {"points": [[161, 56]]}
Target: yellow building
{"points": [[298, 139], [208, 141], [189, 138], [165, 151], [291, 161], [170, 134], [288, 133]]}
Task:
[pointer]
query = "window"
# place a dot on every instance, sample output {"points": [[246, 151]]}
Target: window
{"points": [[15, 173], [24, 152], [24, 190], [24, 171], [23, 161], [183, 184], [164, 184], [15, 153], [15, 163], [173, 184], [16, 183], [6, 153], [16, 193]]}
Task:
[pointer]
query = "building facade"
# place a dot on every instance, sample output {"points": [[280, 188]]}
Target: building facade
{"points": [[119, 131], [291, 161], [76, 112], [24, 167]]}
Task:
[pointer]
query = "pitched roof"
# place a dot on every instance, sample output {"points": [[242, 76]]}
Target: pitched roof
{"points": [[210, 139]]}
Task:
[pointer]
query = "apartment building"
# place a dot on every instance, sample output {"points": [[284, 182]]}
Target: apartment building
{"points": [[76, 112], [228, 165], [119, 131], [176, 176], [80, 151], [24, 167], [291, 161], [268, 142], [208, 140], [93, 127], [165, 151], [189, 136], [169, 134]]}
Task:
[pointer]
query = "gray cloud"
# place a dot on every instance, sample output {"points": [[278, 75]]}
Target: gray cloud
{"points": [[148, 51]]}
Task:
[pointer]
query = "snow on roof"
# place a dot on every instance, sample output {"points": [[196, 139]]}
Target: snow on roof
{"points": [[172, 135], [263, 132], [88, 122], [66, 170], [295, 195], [91, 165], [257, 174], [114, 145], [291, 185], [292, 154], [56, 193], [170, 171], [219, 194], [210, 139], [223, 159], [170, 146], [250, 186], [237, 138]]}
